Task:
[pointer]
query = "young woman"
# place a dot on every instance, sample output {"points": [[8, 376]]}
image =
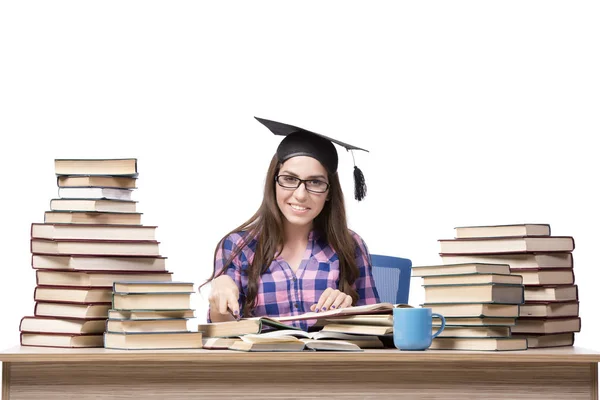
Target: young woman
{"points": [[296, 253]]}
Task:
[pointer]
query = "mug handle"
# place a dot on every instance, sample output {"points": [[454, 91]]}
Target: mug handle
{"points": [[441, 327]]}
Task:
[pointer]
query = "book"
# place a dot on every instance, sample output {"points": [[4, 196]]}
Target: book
{"points": [[464, 279], [123, 182], [151, 301], [331, 345], [474, 293], [247, 344], [257, 343], [118, 167], [260, 342], [98, 263], [148, 325], [72, 295], [153, 287], [370, 319], [92, 217], [98, 193], [262, 324], [479, 344], [60, 325], [93, 231], [153, 340], [525, 244], [244, 326], [549, 309], [67, 310], [460, 269], [547, 325], [95, 247], [551, 293], [474, 309], [546, 277], [95, 278], [144, 315], [474, 331], [535, 341], [322, 335], [358, 329], [378, 308], [521, 261], [476, 321], [502, 230], [60, 340], [127, 206]]}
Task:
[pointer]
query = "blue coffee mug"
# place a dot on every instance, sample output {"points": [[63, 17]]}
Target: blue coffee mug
{"points": [[413, 326]]}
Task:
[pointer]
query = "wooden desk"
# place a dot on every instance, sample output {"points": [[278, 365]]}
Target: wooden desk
{"points": [[38, 373]]}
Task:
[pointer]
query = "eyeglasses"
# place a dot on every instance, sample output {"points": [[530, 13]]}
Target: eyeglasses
{"points": [[311, 185]]}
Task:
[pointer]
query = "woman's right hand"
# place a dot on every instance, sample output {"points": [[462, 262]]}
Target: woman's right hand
{"points": [[224, 295]]}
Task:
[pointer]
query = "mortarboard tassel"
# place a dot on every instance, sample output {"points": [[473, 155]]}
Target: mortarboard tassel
{"points": [[360, 187]]}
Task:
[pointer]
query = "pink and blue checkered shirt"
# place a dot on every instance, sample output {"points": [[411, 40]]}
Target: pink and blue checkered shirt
{"points": [[282, 292]]}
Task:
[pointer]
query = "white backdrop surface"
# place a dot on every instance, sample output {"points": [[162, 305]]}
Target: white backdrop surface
{"points": [[474, 113]]}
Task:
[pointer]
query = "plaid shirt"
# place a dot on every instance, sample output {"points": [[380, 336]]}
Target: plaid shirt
{"points": [[282, 292]]}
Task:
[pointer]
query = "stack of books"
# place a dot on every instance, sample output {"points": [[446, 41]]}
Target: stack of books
{"points": [[549, 316], [151, 315], [91, 237], [346, 329], [480, 303]]}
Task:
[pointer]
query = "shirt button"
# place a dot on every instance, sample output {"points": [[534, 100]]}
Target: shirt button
{"points": [[295, 305]]}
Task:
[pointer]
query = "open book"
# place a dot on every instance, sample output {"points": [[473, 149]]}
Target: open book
{"points": [[264, 324], [378, 308], [292, 340], [242, 327]]}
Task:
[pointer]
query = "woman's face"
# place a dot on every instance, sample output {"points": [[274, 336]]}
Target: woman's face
{"points": [[298, 205]]}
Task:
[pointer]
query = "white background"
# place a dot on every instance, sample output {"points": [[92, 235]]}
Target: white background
{"points": [[474, 113]]}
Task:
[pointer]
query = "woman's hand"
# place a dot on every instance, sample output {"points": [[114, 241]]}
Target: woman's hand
{"points": [[224, 295], [332, 299]]}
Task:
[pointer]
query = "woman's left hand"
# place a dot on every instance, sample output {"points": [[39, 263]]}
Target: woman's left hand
{"points": [[332, 299]]}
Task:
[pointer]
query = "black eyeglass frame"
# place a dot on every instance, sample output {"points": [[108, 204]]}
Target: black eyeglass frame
{"points": [[300, 182]]}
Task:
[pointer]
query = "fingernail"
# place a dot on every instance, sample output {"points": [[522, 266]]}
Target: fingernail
{"points": [[332, 306], [316, 310], [323, 309], [236, 312]]}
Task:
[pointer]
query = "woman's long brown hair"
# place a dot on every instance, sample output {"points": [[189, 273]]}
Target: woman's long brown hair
{"points": [[266, 225]]}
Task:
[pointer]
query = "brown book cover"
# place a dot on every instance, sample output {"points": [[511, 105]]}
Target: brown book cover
{"points": [[521, 261], [91, 247], [92, 325], [100, 293], [86, 278], [541, 325], [545, 277], [100, 263], [58, 340], [58, 231], [507, 245], [96, 308], [535, 293]]}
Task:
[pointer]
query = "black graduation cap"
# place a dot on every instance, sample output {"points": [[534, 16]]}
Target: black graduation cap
{"points": [[301, 142]]}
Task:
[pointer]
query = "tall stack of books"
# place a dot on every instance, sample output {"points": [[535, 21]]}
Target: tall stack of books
{"points": [[91, 237], [151, 315], [480, 303], [549, 316]]}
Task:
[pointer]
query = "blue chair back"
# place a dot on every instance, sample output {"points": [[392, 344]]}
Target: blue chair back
{"points": [[392, 278]]}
